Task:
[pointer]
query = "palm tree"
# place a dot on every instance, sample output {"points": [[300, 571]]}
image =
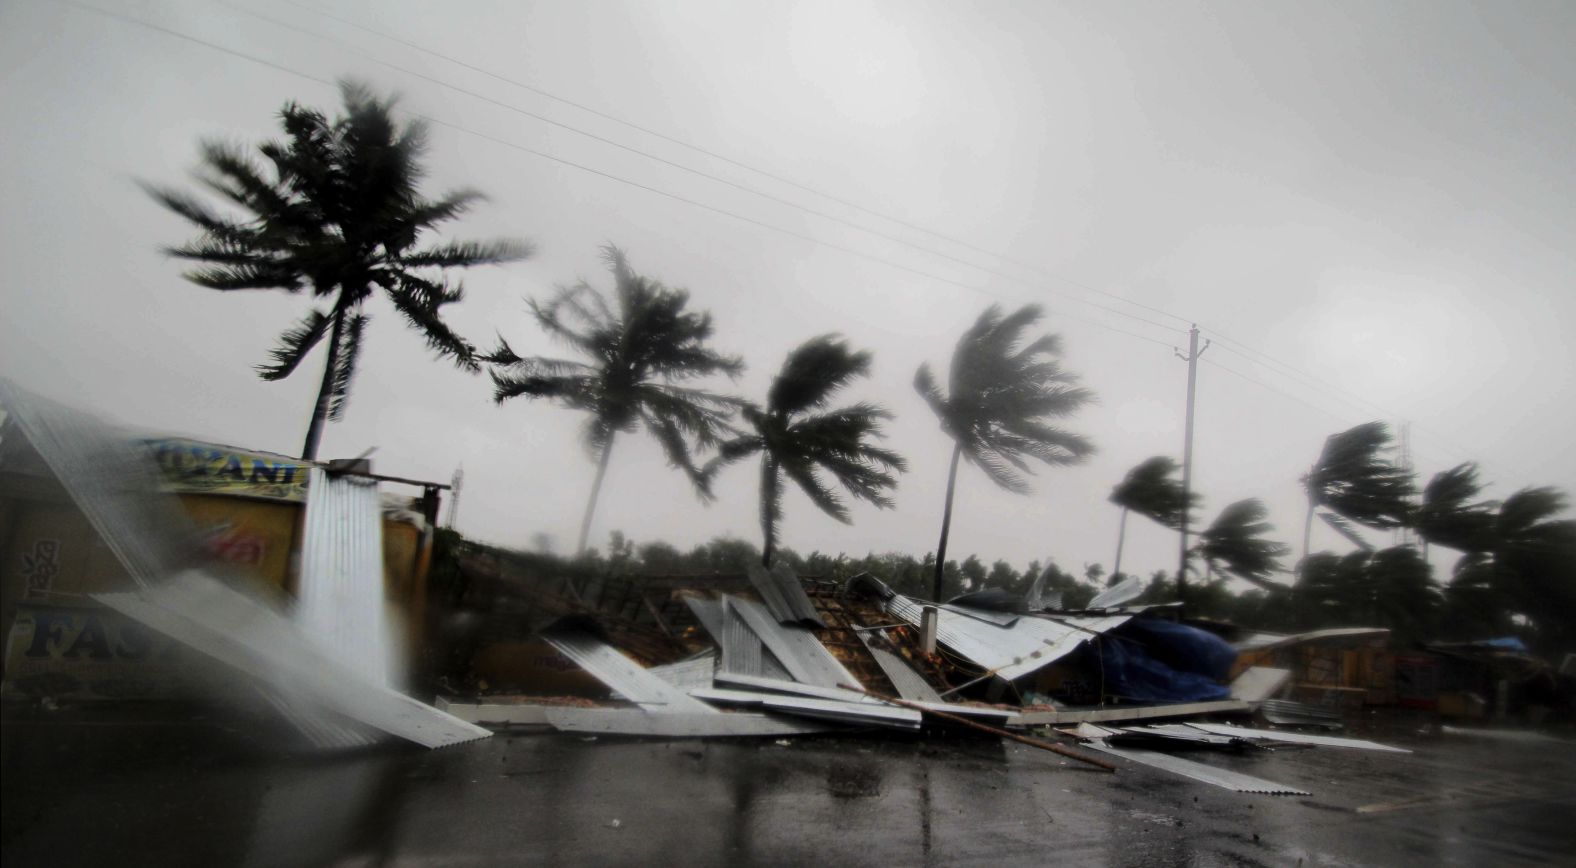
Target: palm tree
{"points": [[1451, 515], [1536, 551], [334, 208], [796, 435], [1237, 543], [1152, 490], [1353, 482], [641, 344], [1001, 392]]}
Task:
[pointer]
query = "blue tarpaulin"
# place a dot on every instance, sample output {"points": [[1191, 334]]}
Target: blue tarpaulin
{"points": [[1161, 661]]}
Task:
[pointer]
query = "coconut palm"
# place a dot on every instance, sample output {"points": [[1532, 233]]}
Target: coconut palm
{"points": [[1152, 490], [641, 344], [1001, 392], [1353, 482], [1237, 543], [1451, 514], [797, 436], [333, 208], [1536, 551]]}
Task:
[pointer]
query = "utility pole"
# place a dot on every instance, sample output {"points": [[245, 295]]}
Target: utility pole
{"points": [[454, 496], [1193, 352]]}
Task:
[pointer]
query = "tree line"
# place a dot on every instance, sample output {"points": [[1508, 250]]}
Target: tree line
{"points": [[335, 209]]}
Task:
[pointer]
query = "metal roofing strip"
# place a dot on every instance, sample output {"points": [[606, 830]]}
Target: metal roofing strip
{"points": [[341, 597], [1258, 683], [688, 674], [624, 675], [783, 594], [1295, 737], [714, 724], [793, 592], [795, 688], [1011, 652], [236, 629], [803, 655], [910, 685], [1200, 772], [708, 612], [844, 712], [1118, 713], [1000, 619]]}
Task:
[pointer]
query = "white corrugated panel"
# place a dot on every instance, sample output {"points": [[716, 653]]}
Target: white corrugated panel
{"points": [[341, 602], [1011, 652]]}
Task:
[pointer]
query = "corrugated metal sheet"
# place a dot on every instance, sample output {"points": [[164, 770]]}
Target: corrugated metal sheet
{"points": [[858, 713], [1258, 683], [1119, 593], [1000, 619], [340, 603], [1011, 652], [609, 666], [1200, 772], [688, 674], [1294, 737], [741, 649], [796, 648], [910, 685], [783, 594], [635, 722], [240, 631]]}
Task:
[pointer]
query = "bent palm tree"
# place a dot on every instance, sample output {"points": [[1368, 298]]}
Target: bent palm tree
{"points": [[641, 344], [1151, 490], [1452, 516], [1353, 482], [796, 436], [1237, 543], [999, 396], [334, 209]]}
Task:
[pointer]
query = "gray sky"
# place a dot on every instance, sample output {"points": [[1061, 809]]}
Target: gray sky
{"points": [[1377, 195]]}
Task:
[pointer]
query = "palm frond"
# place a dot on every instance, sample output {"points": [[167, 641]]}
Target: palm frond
{"points": [[813, 372], [419, 301], [345, 364], [1353, 478], [466, 254], [294, 344]]}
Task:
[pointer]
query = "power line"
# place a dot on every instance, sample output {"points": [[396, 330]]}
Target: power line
{"points": [[638, 185], [1263, 358], [689, 169], [1231, 345], [729, 160]]}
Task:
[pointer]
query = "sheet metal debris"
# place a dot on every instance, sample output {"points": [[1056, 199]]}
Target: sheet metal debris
{"points": [[783, 594], [1295, 737], [1288, 713], [624, 675], [1029, 644], [1258, 683], [1200, 772], [638, 722], [796, 648]]}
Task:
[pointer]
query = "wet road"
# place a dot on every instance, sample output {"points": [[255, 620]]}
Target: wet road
{"points": [[158, 792]]}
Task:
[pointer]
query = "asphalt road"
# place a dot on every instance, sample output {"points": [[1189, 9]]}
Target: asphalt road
{"points": [[81, 790]]}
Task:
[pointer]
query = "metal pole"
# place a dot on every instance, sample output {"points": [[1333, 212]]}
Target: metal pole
{"points": [[1193, 352]]}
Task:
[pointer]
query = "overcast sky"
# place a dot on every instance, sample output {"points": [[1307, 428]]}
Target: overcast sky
{"points": [[1367, 205]]}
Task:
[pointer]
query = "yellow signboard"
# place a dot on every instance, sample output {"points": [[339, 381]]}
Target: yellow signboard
{"points": [[191, 467]]}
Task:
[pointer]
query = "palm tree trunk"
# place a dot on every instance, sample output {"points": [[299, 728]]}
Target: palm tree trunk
{"points": [[596, 489], [1121, 537], [768, 509], [946, 524], [1307, 538], [325, 392]]}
